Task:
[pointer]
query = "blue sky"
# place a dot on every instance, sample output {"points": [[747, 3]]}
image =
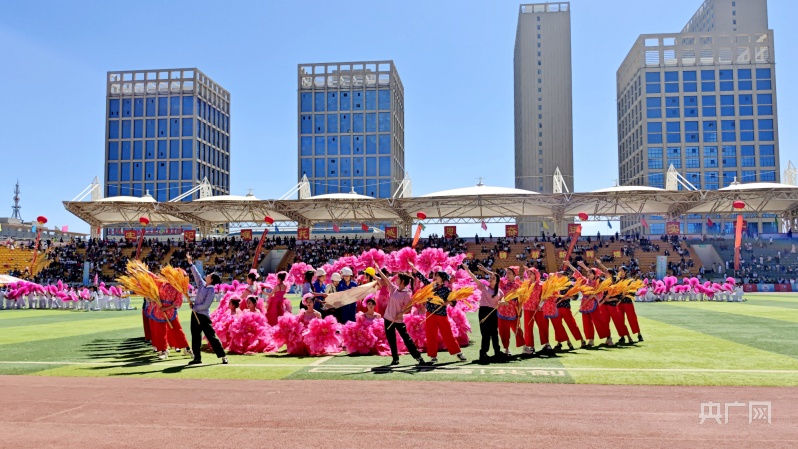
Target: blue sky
{"points": [[455, 60]]}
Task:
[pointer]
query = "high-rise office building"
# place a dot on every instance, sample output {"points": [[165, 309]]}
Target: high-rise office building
{"points": [[543, 111], [704, 102], [166, 130], [351, 127]]}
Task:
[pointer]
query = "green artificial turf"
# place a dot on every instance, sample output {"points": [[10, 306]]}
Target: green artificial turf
{"points": [[686, 343]]}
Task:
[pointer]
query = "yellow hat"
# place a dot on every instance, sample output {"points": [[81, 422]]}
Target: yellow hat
{"points": [[370, 271]]}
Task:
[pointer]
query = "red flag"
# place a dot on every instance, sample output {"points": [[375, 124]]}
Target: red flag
{"points": [[644, 222], [364, 227], [484, 226], [709, 222], [336, 228], [738, 240]]}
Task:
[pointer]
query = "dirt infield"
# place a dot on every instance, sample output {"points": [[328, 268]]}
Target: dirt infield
{"points": [[154, 413]]}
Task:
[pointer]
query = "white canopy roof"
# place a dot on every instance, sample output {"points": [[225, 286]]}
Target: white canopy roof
{"points": [[467, 205]]}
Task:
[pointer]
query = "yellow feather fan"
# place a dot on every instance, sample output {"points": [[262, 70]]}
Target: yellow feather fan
{"points": [[553, 286], [175, 277], [139, 280], [461, 294], [600, 288]]}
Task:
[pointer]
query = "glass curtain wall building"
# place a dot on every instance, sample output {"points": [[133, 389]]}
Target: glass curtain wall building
{"points": [[704, 102], [351, 127], [166, 130], [543, 109]]}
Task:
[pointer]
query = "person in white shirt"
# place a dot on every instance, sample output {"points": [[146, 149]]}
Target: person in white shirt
{"points": [[738, 294], [94, 300], [126, 301], [3, 302]]}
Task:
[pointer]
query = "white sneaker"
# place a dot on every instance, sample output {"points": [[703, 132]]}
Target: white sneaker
{"points": [[462, 357], [163, 355], [433, 360], [189, 352], [528, 350]]}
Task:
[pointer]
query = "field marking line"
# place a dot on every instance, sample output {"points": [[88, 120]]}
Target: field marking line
{"points": [[505, 367], [59, 413], [321, 360]]}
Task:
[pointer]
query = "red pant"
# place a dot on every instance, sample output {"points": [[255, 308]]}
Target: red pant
{"points": [[559, 330], [628, 311], [529, 323], [163, 336], [617, 319], [435, 324], [597, 319], [147, 333], [505, 326]]}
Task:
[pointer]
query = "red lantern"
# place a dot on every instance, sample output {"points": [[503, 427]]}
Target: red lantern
{"points": [[738, 204], [421, 216], [268, 219], [144, 221], [41, 219], [364, 227], [583, 216]]}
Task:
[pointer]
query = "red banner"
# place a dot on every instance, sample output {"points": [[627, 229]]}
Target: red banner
{"points": [[503, 255], [590, 254], [535, 254], [574, 229], [450, 232], [303, 234], [738, 240], [511, 230], [190, 236], [783, 287], [246, 235], [392, 232], [131, 235], [616, 253], [673, 228]]}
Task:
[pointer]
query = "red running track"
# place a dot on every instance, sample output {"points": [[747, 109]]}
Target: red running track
{"points": [[52, 412]]}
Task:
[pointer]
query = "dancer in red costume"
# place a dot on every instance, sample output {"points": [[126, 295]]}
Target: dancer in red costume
{"points": [[437, 320], [508, 311], [533, 315], [164, 323], [610, 306], [594, 321]]}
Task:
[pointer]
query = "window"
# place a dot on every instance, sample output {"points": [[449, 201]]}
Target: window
{"points": [[671, 82], [332, 123], [371, 122], [332, 145], [346, 101], [654, 152], [744, 79], [652, 83], [672, 107], [654, 163], [656, 180], [306, 146], [174, 105], [767, 176], [174, 148], [138, 107], [371, 100], [306, 124], [126, 107], [673, 132], [710, 129], [113, 108], [694, 179], [163, 106], [708, 106], [654, 107], [357, 145], [126, 151], [729, 150], [764, 104], [746, 130], [188, 129], [729, 177], [319, 102], [174, 127], [125, 171], [357, 125], [655, 132], [188, 149], [346, 123], [710, 162], [708, 81], [726, 80], [385, 100], [371, 144], [385, 143], [357, 101], [729, 162], [162, 148], [345, 143], [113, 172], [691, 131], [748, 176], [332, 101], [126, 129], [319, 149], [384, 122], [689, 78]]}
